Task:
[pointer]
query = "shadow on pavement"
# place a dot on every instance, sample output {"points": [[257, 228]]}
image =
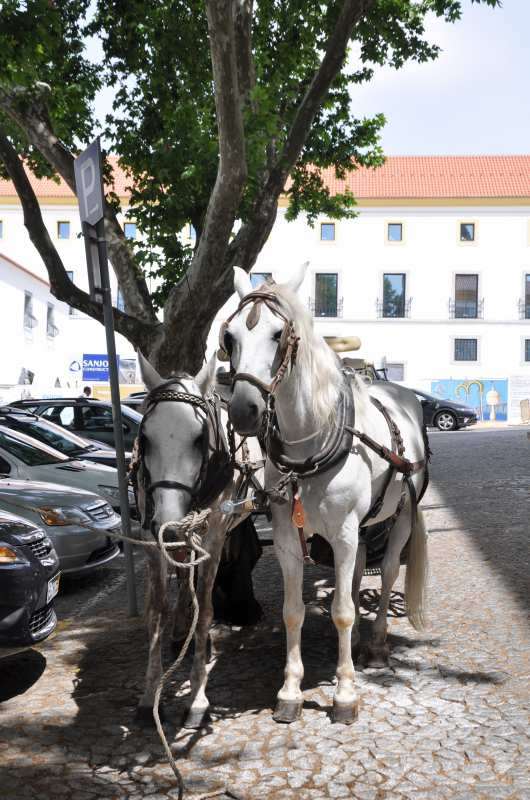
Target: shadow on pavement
{"points": [[20, 672]]}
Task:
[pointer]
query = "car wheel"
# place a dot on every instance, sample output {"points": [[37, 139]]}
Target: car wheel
{"points": [[445, 421]]}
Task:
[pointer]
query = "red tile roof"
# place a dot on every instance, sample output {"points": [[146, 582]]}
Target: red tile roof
{"points": [[400, 177]]}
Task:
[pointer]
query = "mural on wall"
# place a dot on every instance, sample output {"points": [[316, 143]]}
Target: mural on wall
{"points": [[488, 398]]}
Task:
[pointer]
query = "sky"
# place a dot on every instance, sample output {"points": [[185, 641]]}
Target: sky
{"points": [[474, 99]]}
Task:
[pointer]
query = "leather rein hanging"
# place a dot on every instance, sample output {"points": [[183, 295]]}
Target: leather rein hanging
{"points": [[216, 467]]}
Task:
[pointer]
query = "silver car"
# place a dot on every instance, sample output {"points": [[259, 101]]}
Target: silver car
{"points": [[77, 522]]}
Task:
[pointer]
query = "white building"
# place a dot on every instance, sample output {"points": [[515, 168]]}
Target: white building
{"points": [[433, 275], [33, 331]]}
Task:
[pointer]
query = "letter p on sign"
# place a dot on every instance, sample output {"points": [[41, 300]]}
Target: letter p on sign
{"points": [[87, 168]]}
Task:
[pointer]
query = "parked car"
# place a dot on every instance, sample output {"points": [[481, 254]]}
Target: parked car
{"points": [[26, 458], [91, 419], [134, 400], [445, 415], [29, 581], [61, 439], [77, 522]]}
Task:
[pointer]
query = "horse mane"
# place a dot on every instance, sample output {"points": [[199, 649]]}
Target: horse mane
{"points": [[315, 360]]}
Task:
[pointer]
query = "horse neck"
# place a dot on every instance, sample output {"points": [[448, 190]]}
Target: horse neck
{"points": [[294, 409]]}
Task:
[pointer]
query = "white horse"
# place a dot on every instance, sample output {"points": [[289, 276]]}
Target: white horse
{"points": [[306, 381], [172, 466]]}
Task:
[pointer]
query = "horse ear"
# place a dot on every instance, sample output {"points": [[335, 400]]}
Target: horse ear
{"points": [[149, 375], [242, 283], [205, 376], [298, 276]]}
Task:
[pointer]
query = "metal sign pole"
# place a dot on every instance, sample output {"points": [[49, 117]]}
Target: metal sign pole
{"points": [[116, 417], [89, 188]]}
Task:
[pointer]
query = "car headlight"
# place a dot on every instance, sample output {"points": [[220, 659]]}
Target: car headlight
{"points": [[63, 516], [8, 555]]}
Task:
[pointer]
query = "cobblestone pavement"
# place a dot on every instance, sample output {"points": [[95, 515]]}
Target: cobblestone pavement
{"points": [[447, 719]]}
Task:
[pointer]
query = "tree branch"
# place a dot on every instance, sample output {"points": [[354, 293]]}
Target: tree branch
{"points": [[246, 73], [139, 333], [27, 108], [181, 309]]}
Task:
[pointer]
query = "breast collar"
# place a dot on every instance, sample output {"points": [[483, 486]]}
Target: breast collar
{"points": [[216, 469]]}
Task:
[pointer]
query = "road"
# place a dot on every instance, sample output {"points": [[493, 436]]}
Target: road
{"points": [[447, 719]]}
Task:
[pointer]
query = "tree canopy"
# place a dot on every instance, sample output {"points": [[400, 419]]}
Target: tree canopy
{"points": [[216, 105]]}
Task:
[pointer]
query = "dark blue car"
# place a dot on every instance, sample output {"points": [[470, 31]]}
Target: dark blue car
{"points": [[29, 580]]}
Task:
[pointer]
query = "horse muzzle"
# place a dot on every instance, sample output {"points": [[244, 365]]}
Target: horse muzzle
{"points": [[246, 409]]}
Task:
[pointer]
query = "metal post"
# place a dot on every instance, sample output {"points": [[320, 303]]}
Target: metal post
{"points": [[116, 417]]}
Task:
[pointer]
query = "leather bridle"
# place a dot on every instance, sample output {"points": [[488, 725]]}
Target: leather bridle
{"points": [[216, 469], [288, 343]]}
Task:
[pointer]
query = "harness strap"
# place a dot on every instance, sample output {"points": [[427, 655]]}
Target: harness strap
{"points": [[396, 461]]}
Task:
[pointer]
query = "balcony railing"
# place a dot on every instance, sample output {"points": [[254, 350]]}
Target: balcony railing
{"points": [[326, 308], [524, 308], [392, 309], [459, 309]]}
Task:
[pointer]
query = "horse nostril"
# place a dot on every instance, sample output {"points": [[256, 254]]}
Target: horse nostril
{"points": [[253, 409]]}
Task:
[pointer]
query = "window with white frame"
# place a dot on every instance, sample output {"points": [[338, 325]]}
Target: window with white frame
{"points": [[527, 350], [51, 328], [63, 229], [395, 370], [257, 278], [326, 298], [1, 229], [327, 231], [465, 349], [394, 293], [466, 296], [467, 231], [30, 320], [394, 232], [129, 229]]}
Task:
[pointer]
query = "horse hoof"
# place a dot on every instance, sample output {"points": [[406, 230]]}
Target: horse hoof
{"points": [[287, 711], [346, 713], [377, 658], [196, 719]]}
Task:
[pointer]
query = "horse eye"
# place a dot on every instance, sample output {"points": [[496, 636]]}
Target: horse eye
{"points": [[198, 441], [277, 336]]}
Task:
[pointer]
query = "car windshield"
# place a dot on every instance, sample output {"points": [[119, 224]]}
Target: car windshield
{"points": [[131, 414], [47, 432], [28, 450]]}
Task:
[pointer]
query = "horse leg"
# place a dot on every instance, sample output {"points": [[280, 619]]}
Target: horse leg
{"points": [[199, 704], [346, 699], [360, 564], [290, 699], [183, 612], [377, 647], [156, 616]]}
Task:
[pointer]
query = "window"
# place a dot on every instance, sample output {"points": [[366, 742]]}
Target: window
{"points": [[465, 349], [63, 230], [466, 296], [327, 232], [61, 415], [467, 231], [120, 302], [257, 278], [395, 232], [393, 295], [527, 349], [1, 229], [29, 450], [395, 371], [70, 273], [527, 296], [30, 321], [51, 328], [129, 230], [26, 377], [326, 295]]}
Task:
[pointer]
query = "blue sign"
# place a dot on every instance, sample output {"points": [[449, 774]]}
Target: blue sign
{"points": [[487, 396], [96, 366]]}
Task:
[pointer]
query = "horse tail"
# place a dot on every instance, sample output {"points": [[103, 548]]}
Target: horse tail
{"points": [[416, 574]]}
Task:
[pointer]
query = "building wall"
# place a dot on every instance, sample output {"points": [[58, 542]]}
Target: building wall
{"points": [[430, 255], [29, 348]]}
